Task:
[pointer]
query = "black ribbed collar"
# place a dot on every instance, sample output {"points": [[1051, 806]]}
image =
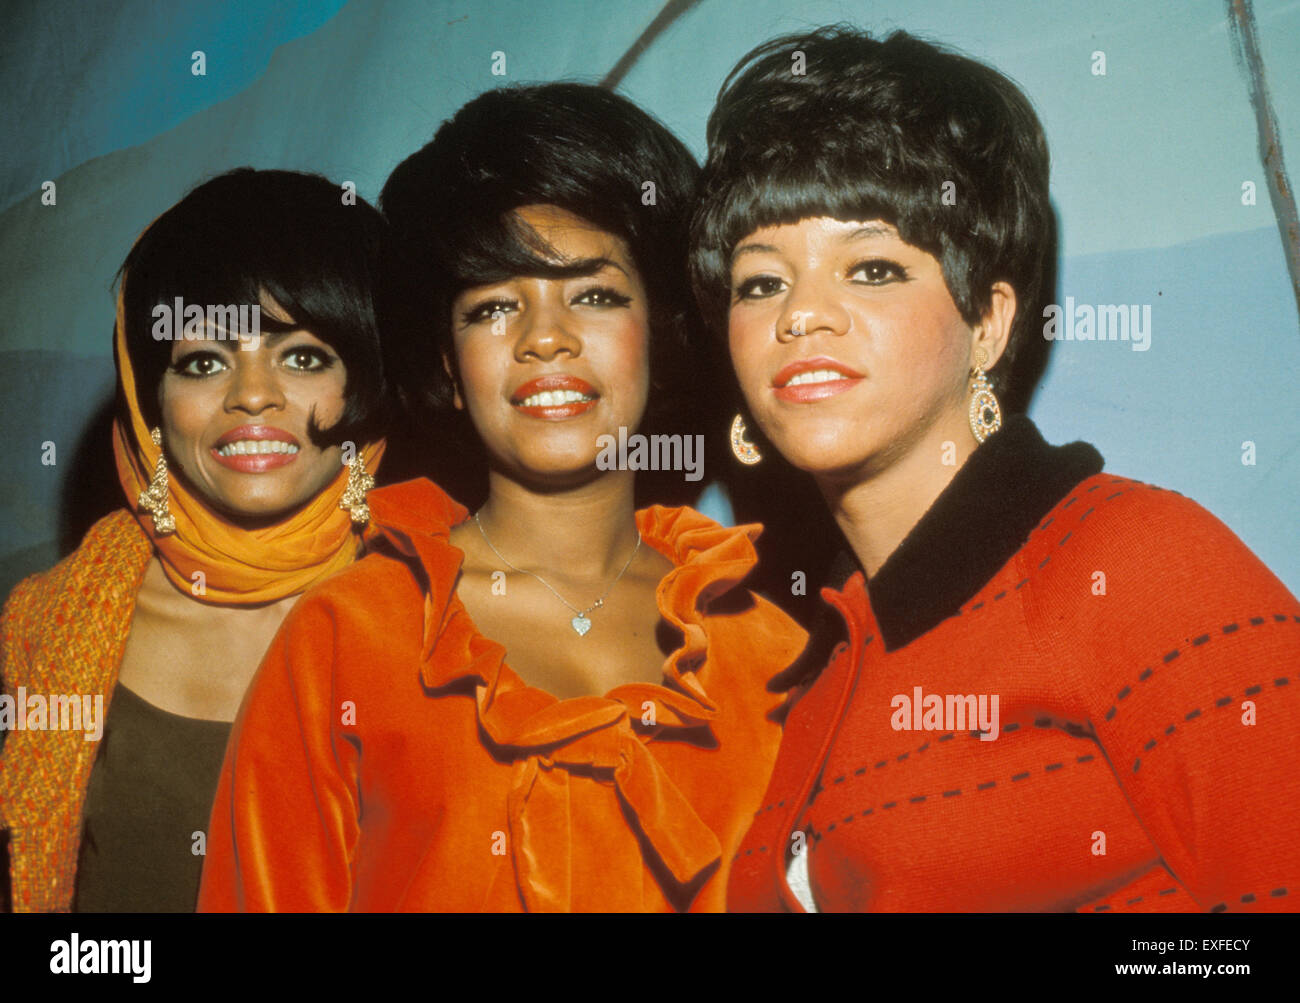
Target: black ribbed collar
{"points": [[1004, 489]]}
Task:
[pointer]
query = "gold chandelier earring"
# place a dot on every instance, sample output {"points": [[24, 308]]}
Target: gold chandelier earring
{"points": [[354, 495], [154, 498], [985, 413], [746, 452]]}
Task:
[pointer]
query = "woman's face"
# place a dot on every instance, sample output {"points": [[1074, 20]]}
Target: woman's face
{"points": [[235, 420], [547, 366], [848, 346]]}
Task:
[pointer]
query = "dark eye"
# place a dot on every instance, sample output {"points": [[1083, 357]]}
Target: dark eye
{"points": [[759, 287], [878, 271], [486, 311], [601, 296], [197, 365], [307, 359]]}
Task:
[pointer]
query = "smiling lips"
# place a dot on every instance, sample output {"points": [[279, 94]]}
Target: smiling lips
{"points": [[254, 449], [554, 397], [814, 379]]}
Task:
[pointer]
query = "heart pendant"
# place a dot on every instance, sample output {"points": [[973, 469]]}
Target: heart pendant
{"points": [[581, 624]]}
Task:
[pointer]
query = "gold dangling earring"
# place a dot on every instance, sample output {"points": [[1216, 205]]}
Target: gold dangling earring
{"points": [[154, 498], [985, 413], [354, 495], [746, 452]]}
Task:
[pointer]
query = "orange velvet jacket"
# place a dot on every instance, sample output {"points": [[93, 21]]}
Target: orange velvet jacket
{"points": [[63, 632], [1145, 755], [386, 758]]}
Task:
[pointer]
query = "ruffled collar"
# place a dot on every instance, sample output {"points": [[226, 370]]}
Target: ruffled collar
{"points": [[542, 732]]}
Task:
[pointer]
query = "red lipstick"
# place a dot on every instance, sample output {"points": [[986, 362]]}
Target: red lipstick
{"points": [[255, 463], [804, 393], [554, 384]]}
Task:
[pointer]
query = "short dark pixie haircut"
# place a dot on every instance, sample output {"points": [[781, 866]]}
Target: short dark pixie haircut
{"points": [[873, 130], [289, 234], [450, 206]]}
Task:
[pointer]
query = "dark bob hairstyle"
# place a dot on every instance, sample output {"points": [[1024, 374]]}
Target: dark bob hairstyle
{"points": [[837, 123], [451, 207], [289, 234]]}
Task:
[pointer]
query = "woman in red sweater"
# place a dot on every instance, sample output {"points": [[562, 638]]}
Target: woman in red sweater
{"points": [[1059, 689]]}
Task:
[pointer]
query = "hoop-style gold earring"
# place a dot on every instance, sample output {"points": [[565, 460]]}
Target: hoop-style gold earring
{"points": [[354, 495], [746, 452], [985, 414], [154, 498]]}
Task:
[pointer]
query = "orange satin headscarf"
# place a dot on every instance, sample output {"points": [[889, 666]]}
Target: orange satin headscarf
{"points": [[240, 566]]}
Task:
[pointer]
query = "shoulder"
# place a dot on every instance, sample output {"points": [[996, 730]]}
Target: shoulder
{"points": [[109, 562], [1150, 535], [1124, 576]]}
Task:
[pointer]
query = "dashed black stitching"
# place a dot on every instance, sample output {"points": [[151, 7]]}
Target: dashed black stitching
{"points": [[918, 799], [1223, 701], [1191, 715], [1000, 595], [1050, 520], [1043, 563], [1123, 693], [1053, 766], [951, 794], [1279, 617], [1172, 655], [1065, 537], [947, 737], [1086, 514], [1252, 690], [1170, 730], [1255, 621], [1281, 682], [1136, 764], [1134, 901], [859, 771], [1198, 641], [1020, 776], [1149, 746], [985, 786], [1145, 674], [903, 756], [977, 606], [1042, 722], [1085, 759], [1115, 495], [1069, 503], [1012, 726], [1110, 713], [883, 762], [1277, 893], [1229, 628], [1102, 908], [1023, 581], [889, 804], [1169, 891], [1248, 897]]}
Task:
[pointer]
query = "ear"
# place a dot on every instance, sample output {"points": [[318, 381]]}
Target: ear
{"points": [[994, 329], [447, 367]]}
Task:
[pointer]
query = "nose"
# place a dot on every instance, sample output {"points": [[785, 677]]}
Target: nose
{"points": [[255, 386], [546, 330], [813, 307]]}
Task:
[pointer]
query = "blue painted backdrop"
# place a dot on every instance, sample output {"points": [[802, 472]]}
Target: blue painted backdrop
{"points": [[1149, 164]]}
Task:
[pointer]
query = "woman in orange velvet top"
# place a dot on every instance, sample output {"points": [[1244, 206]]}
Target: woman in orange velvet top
{"points": [[250, 398], [1058, 688], [559, 703]]}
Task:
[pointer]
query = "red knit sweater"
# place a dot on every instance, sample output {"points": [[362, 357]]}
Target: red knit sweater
{"points": [[1146, 757]]}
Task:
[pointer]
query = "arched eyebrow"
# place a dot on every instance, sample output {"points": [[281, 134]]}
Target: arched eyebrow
{"points": [[870, 230], [753, 249]]}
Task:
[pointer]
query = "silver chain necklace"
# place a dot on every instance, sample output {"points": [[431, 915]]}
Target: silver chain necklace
{"points": [[580, 622]]}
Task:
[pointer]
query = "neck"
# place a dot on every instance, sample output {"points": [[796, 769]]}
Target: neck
{"points": [[585, 532], [877, 507]]}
